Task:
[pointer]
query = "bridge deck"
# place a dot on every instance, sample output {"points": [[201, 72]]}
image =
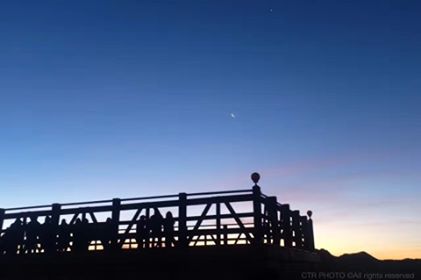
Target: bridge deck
{"points": [[231, 262]]}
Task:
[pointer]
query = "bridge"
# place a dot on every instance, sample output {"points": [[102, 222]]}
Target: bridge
{"points": [[144, 234]]}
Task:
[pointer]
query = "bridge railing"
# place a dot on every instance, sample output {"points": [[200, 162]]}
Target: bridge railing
{"points": [[226, 218]]}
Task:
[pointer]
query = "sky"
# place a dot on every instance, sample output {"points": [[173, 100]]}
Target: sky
{"points": [[103, 99]]}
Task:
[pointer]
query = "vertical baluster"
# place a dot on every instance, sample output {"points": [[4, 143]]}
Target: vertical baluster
{"points": [[225, 235]]}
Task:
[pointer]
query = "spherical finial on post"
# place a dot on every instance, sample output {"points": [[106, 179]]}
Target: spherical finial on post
{"points": [[309, 213], [255, 177]]}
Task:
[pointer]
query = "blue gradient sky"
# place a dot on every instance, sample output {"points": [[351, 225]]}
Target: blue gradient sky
{"points": [[102, 99]]}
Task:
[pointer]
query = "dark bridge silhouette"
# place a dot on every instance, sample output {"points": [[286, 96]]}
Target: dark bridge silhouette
{"points": [[144, 228]]}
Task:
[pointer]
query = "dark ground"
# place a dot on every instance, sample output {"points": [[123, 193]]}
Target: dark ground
{"points": [[242, 262]]}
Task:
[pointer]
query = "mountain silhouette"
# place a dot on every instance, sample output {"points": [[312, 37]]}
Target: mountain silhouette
{"points": [[364, 262], [358, 257]]}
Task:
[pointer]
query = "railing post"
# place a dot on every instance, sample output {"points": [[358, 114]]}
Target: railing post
{"points": [[273, 219], [115, 219], [310, 233], [218, 223], [286, 225], [296, 228], [304, 232], [148, 235], [55, 221], [2, 211], [257, 215], [182, 220], [55, 214]]}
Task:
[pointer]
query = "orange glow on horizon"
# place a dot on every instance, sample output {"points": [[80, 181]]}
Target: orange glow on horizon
{"points": [[378, 243]]}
